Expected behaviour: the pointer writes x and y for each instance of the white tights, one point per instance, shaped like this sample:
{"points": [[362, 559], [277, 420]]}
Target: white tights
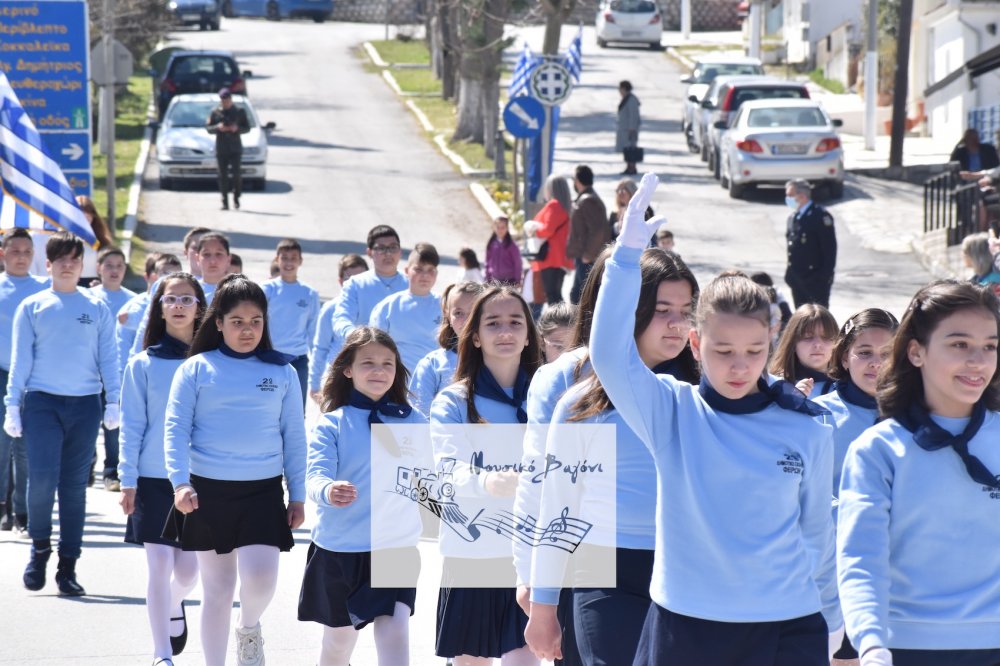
{"points": [[392, 638], [518, 657], [172, 575], [257, 568]]}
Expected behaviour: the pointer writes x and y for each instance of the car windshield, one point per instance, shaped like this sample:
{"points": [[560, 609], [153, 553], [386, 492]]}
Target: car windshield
{"points": [[216, 68], [786, 117], [633, 6], [194, 114], [707, 72]]}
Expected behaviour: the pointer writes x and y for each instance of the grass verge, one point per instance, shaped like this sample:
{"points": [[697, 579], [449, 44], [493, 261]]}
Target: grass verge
{"points": [[399, 51]]}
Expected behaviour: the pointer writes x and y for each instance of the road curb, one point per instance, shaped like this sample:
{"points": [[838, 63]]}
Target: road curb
{"points": [[135, 190], [457, 159], [373, 55], [421, 116], [486, 201], [680, 57]]}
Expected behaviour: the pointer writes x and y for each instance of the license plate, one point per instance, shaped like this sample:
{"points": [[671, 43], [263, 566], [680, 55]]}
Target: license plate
{"points": [[630, 33], [190, 17], [789, 149]]}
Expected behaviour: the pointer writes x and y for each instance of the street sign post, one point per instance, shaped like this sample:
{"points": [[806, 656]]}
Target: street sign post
{"points": [[44, 51], [524, 117], [551, 84]]}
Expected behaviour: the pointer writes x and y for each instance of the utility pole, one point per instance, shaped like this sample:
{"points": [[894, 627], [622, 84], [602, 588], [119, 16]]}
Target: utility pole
{"points": [[686, 19], [755, 24], [902, 83], [108, 107], [871, 76]]}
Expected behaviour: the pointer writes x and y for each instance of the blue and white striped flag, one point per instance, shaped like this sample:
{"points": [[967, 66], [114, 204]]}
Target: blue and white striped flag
{"points": [[526, 64], [574, 56], [30, 180]]}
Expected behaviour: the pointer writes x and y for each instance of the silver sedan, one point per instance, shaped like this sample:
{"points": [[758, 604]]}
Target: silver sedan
{"points": [[772, 141]]}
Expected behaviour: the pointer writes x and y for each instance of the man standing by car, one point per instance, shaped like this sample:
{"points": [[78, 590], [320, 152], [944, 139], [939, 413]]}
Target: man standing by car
{"points": [[589, 231], [812, 247], [227, 122]]}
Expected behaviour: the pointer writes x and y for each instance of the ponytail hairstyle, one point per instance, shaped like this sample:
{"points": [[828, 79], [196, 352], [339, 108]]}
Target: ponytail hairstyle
{"points": [[337, 386], [470, 357], [657, 266], [855, 325], [157, 326], [448, 336], [900, 382], [233, 289], [809, 317]]}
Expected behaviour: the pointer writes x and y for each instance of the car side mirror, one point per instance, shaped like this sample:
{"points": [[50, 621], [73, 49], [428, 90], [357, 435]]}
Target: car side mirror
{"points": [[687, 78], [837, 122], [247, 73], [270, 126], [693, 98], [153, 124], [706, 104], [721, 125]]}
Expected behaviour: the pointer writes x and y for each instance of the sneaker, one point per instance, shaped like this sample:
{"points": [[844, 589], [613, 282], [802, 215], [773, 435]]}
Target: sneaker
{"points": [[34, 573], [163, 662], [111, 484], [249, 646], [21, 524], [66, 578]]}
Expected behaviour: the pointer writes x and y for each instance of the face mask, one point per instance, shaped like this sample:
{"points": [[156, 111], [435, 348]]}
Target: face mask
{"points": [[792, 203]]}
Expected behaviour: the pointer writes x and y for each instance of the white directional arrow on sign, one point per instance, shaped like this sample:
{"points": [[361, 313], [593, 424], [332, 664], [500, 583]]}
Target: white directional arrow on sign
{"points": [[530, 123], [74, 151]]}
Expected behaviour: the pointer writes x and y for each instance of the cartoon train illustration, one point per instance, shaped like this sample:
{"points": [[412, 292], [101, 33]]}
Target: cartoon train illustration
{"points": [[421, 485]]}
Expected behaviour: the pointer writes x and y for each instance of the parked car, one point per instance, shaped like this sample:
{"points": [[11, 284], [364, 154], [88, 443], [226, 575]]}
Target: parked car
{"points": [[203, 13], [275, 10], [629, 21], [730, 94], [705, 71], [771, 141], [199, 71], [186, 151]]}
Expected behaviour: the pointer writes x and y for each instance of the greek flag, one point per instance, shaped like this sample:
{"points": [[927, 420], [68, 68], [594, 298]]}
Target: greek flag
{"points": [[526, 64], [34, 191], [574, 56]]}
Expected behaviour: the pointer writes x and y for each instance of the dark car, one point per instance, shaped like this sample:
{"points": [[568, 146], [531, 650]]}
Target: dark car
{"points": [[203, 13], [197, 72]]}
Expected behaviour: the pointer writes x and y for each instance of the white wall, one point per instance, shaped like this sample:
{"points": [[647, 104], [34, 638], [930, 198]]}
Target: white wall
{"points": [[826, 15]]}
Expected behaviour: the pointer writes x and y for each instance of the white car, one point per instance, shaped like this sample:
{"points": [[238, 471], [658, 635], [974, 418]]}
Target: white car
{"points": [[186, 151], [629, 21], [772, 141], [705, 71]]}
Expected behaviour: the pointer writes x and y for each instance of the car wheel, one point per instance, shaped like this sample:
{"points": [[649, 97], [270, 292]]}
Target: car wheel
{"points": [[654, 46], [319, 19], [724, 177], [836, 189], [602, 43], [704, 152], [716, 167], [260, 184], [736, 191], [710, 159], [215, 25], [227, 9], [166, 184], [203, 26], [272, 12]]}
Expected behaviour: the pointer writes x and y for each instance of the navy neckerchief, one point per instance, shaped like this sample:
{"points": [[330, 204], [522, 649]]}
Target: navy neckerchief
{"points": [[675, 370], [850, 392], [930, 437], [782, 393], [375, 407], [272, 356], [486, 386], [168, 347], [820, 379]]}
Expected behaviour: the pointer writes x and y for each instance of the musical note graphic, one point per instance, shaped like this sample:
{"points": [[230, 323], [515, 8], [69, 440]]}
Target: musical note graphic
{"points": [[564, 532]]}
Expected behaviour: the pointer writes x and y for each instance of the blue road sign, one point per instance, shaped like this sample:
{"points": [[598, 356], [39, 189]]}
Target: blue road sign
{"points": [[44, 51], [524, 117]]}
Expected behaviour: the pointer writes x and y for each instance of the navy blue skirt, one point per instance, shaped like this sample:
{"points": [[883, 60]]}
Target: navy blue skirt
{"points": [[154, 498], [337, 592], [945, 657]]}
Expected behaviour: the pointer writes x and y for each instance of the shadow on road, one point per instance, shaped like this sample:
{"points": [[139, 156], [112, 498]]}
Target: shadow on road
{"points": [[298, 142]]}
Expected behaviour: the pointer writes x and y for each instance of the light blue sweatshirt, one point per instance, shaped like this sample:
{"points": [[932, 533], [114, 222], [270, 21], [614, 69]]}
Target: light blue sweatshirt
{"points": [[849, 421], [236, 419], [125, 334], [434, 371], [292, 309], [64, 344], [917, 541], [140, 333], [745, 532], [325, 346], [361, 293], [340, 449], [13, 290], [145, 391], [115, 300], [413, 323]]}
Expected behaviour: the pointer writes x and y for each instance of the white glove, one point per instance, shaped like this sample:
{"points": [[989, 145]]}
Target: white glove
{"points": [[636, 230], [112, 416], [836, 640], [877, 657], [12, 422]]}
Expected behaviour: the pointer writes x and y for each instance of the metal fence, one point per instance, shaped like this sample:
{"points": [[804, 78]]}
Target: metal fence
{"points": [[986, 120], [952, 204]]}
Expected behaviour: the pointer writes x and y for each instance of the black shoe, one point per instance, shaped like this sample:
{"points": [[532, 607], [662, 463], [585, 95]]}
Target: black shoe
{"points": [[177, 643], [34, 573], [6, 519], [236, 202], [66, 578], [225, 204]]}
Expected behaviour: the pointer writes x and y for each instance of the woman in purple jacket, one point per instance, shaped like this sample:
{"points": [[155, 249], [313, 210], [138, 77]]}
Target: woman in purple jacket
{"points": [[503, 256]]}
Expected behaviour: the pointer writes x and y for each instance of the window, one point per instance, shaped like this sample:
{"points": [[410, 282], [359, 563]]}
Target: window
{"points": [[195, 114], [633, 6], [786, 117]]}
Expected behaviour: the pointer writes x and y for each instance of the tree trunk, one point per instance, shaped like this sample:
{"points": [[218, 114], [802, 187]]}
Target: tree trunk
{"points": [[481, 24], [556, 13], [900, 91], [447, 15], [470, 111]]}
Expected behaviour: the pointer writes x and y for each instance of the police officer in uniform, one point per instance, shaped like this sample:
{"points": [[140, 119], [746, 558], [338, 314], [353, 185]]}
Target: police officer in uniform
{"points": [[227, 122], [812, 247]]}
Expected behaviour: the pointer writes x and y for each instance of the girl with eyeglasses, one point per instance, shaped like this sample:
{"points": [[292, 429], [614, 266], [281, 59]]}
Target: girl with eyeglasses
{"points": [[919, 516], [178, 305]]}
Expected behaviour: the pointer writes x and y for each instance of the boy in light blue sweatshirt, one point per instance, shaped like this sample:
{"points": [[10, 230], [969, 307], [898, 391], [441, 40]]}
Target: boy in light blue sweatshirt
{"points": [[292, 310], [111, 271], [130, 315], [412, 317], [16, 284], [363, 292], [325, 343], [64, 356]]}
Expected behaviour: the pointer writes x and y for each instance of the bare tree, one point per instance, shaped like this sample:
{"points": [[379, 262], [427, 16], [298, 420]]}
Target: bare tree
{"points": [[442, 41], [139, 25], [556, 13]]}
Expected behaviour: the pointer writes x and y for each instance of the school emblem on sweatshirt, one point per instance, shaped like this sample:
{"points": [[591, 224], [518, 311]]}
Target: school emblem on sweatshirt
{"points": [[993, 490], [267, 384], [791, 463], [85, 319], [302, 303]]}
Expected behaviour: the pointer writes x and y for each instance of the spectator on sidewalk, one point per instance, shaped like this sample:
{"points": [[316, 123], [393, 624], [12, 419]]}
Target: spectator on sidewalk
{"points": [[977, 255], [588, 229], [974, 155], [627, 132], [552, 224], [503, 256], [812, 246]]}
